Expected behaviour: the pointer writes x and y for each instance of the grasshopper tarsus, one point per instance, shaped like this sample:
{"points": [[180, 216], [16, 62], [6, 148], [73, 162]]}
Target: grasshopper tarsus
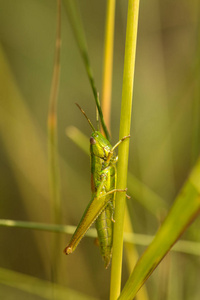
{"points": [[123, 190], [120, 141], [125, 137]]}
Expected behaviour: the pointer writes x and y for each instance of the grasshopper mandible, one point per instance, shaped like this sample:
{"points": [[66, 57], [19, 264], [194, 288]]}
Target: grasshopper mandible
{"points": [[103, 186]]}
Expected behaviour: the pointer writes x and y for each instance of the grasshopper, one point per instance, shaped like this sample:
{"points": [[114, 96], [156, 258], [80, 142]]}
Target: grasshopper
{"points": [[103, 186]]}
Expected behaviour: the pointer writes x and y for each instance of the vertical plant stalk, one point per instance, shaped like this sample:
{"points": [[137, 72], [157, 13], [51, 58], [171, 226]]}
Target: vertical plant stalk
{"points": [[52, 125], [196, 103], [77, 27], [132, 254], [108, 62], [53, 147], [122, 167], [106, 109]]}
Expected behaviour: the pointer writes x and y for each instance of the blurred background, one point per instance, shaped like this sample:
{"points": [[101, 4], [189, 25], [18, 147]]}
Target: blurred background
{"points": [[164, 145]]}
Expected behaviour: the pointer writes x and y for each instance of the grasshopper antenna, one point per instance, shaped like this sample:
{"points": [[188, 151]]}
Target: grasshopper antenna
{"points": [[97, 115], [86, 117], [97, 118]]}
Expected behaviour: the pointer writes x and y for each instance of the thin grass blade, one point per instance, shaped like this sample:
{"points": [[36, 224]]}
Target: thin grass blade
{"points": [[78, 30], [183, 212]]}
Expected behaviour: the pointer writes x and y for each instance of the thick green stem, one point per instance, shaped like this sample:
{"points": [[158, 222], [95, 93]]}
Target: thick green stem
{"points": [[125, 122]]}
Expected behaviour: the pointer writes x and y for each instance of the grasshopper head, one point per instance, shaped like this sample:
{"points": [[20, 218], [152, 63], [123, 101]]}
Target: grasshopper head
{"points": [[99, 145]]}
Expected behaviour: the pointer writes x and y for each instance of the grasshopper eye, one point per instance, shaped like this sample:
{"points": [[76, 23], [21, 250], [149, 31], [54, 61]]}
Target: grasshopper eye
{"points": [[92, 141]]}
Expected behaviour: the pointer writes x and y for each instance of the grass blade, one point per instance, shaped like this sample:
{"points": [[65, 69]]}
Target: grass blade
{"points": [[77, 27], [108, 62], [182, 213], [53, 147], [182, 246], [38, 287], [52, 123]]}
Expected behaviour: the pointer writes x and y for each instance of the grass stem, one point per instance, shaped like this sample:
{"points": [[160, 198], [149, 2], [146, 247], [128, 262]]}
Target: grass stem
{"points": [[108, 62], [122, 167]]}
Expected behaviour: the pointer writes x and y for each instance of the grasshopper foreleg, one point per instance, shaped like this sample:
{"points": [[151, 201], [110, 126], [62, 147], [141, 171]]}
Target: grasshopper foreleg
{"points": [[115, 146], [120, 141]]}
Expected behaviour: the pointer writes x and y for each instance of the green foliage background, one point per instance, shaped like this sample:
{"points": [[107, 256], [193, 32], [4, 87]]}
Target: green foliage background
{"points": [[164, 145]]}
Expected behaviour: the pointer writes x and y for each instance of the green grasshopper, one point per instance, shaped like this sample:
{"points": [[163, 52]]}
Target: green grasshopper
{"points": [[103, 185]]}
